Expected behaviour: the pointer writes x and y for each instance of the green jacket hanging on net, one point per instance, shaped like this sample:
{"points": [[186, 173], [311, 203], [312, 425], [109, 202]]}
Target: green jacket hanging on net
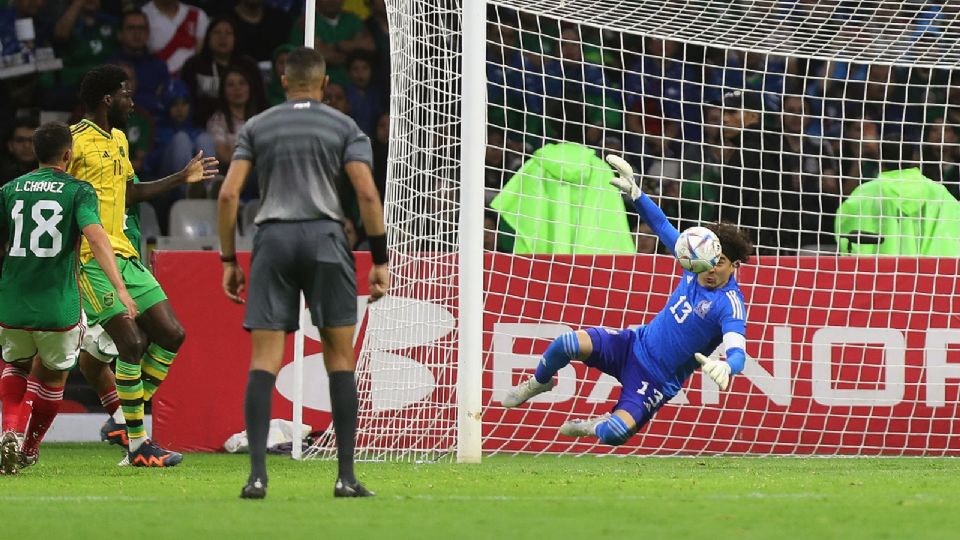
{"points": [[561, 202], [900, 213]]}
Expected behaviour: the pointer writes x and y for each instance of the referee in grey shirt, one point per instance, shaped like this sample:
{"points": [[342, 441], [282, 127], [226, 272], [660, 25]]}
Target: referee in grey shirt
{"points": [[300, 150]]}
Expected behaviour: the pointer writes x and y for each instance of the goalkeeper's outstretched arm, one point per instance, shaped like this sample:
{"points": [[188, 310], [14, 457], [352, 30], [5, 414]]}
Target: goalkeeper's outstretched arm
{"points": [[648, 210]]}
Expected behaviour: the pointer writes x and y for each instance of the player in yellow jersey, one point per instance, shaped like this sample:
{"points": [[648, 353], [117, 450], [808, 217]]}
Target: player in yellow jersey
{"points": [[146, 347]]}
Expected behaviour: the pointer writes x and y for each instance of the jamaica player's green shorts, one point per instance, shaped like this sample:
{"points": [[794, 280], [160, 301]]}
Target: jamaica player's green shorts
{"points": [[100, 301]]}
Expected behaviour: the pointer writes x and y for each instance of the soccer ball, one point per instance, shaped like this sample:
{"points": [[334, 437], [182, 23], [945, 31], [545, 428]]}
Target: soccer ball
{"points": [[697, 249]]}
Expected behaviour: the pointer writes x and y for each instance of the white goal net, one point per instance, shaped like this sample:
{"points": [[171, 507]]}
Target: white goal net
{"points": [[828, 129]]}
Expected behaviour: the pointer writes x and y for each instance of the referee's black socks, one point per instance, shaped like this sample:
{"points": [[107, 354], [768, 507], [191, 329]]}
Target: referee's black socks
{"points": [[343, 402], [257, 413]]}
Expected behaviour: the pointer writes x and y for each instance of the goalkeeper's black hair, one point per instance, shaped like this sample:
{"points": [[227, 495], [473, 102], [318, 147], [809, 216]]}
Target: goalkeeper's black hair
{"points": [[734, 242], [99, 82]]}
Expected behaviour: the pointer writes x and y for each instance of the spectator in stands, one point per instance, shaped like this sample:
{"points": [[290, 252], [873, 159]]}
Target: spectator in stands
{"points": [[573, 76], [750, 182], [339, 34], [290, 8], [883, 97], [766, 73], [526, 91], [381, 147], [206, 71], [85, 37], [152, 74], [24, 9], [140, 125], [335, 96], [365, 99], [176, 31], [378, 27], [669, 73], [274, 90], [941, 155], [699, 190], [260, 28], [646, 238], [811, 178], [20, 159], [500, 162], [177, 138], [860, 155], [22, 92], [490, 230], [236, 106]]}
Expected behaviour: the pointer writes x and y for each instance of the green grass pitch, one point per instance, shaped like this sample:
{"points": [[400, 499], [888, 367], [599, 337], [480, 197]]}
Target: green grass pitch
{"points": [[77, 492]]}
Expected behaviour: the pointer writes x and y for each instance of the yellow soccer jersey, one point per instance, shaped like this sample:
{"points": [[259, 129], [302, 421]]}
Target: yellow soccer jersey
{"points": [[102, 159]]}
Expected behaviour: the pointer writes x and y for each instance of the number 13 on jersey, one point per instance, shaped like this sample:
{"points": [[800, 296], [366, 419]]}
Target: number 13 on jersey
{"points": [[683, 311]]}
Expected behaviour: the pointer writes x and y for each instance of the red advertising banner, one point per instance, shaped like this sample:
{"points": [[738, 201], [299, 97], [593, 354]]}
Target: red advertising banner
{"points": [[848, 355]]}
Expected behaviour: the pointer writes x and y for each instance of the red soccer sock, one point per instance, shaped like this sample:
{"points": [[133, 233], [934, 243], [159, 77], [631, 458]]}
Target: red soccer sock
{"points": [[26, 406], [110, 400], [45, 408], [13, 386]]}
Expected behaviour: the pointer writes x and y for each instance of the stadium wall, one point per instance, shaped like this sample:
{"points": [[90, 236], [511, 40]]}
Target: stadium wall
{"points": [[855, 353]]}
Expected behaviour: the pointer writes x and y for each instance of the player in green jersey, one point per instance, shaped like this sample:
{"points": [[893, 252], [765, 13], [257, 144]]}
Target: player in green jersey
{"points": [[43, 215]]}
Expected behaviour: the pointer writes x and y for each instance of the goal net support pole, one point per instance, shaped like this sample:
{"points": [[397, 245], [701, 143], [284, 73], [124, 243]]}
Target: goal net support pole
{"points": [[309, 31], [472, 149]]}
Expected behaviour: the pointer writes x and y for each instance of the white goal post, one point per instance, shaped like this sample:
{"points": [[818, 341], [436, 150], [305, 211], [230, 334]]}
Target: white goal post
{"points": [[828, 130]]}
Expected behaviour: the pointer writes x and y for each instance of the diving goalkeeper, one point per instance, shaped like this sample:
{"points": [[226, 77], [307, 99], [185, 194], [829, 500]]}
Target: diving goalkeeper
{"points": [[653, 361]]}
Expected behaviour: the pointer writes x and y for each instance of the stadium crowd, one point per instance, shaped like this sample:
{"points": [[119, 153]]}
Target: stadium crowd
{"points": [[813, 130], [777, 157], [198, 71]]}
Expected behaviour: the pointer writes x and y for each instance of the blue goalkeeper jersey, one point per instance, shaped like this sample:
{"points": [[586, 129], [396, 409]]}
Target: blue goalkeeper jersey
{"points": [[695, 319]]}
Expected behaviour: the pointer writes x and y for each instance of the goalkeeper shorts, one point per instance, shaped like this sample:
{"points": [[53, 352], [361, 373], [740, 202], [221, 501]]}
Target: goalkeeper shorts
{"points": [[613, 353]]}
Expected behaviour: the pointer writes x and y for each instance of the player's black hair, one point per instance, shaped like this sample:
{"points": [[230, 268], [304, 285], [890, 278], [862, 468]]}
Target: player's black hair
{"points": [[99, 82], [301, 62], [734, 242], [50, 141]]}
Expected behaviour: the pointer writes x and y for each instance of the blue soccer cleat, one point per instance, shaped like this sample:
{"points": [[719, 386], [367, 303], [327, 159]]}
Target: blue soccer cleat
{"points": [[114, 433], [151, 455]]}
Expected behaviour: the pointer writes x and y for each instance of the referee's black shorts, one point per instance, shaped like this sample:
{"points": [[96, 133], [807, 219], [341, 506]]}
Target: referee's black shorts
{"points": [[294, 256]]}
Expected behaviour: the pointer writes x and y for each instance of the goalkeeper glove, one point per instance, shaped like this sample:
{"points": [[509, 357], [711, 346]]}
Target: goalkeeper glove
{"points": [[624, 180], [717, 370]]}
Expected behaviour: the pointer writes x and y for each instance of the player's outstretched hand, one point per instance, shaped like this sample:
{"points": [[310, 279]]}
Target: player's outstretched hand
{"points": [[128, 303], [379, 281], [201, 168], [717, 370], [624, 180], [233, 282]]}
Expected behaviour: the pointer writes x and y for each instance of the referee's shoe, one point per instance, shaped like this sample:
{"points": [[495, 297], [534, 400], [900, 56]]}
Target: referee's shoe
{"points": [[255, 489], [351, 489]]}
